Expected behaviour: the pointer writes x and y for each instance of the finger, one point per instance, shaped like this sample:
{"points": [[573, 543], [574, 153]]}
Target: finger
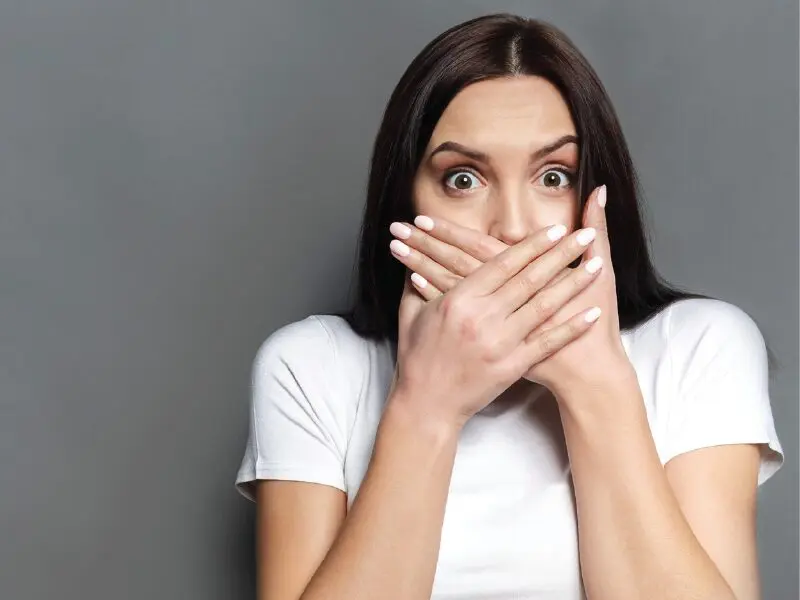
{"points": [[533, 314], [551, 322], [476, 244], [424, 287], [496, 272], [594, 215], [530, 281], [563, 274], [450, 257], [430, 270], [539, 347], [566, 272], [448, 262]]}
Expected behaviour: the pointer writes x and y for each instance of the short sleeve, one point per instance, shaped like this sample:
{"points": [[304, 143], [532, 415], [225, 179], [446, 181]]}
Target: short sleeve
{"points": [[297, 429], [721, 382]]}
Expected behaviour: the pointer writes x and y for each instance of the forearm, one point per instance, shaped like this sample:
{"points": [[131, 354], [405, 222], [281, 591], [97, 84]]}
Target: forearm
{"points": [[389, 542], [634, 540]]}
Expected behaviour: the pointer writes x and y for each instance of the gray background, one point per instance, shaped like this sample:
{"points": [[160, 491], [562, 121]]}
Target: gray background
{"points": [[180, 178]]}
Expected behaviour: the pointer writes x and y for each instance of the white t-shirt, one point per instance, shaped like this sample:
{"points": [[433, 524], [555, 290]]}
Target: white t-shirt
{"points": [[510, 527]]}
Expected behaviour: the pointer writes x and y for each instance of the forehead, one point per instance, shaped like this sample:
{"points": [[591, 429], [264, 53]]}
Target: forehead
{"points": [[525, 110]]}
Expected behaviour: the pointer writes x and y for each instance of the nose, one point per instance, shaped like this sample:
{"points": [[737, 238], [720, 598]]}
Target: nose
{"points": [[512, 220]]}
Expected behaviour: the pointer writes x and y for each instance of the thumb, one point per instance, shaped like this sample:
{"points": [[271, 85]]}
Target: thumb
{"points": [[594, 215]]}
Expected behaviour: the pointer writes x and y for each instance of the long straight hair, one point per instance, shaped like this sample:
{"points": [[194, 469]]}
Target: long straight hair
{"points": [[487, 47]]}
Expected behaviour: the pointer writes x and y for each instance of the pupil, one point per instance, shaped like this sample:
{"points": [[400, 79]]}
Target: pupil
{"points": [[551, 178], [462, 181]]}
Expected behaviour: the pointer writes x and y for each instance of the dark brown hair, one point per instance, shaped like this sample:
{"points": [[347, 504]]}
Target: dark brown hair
{"points": [[493, 46]]}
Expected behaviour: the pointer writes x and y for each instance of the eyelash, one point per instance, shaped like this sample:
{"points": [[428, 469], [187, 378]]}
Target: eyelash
{"points": [[569, 173]]}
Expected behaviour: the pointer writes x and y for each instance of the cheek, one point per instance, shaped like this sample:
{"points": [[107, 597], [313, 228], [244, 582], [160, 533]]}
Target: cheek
{"points": [[566, 213], [429, 201], [566, 210], [547, 209], [427, 198]]}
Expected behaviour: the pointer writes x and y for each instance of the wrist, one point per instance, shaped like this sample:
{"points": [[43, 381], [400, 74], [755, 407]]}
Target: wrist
{"points": [[608, 379], [599, 399], [411, 409]]}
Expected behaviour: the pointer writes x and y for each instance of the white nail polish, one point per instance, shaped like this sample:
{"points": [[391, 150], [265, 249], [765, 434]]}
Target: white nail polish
{"points": [[419, 280], [399, 248], [556, 232], [586, 236], [594, 265], [593, 314], [424, 223], [601, 197], [400, 231]]}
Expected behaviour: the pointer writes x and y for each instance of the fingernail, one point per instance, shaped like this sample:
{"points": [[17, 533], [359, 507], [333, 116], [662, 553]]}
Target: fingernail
{"points": [[556, 232], [399, 230], [594, 265], [593, 314], [601, 196], [586, 236], [424, 223], [419, 280], [399, 248]]}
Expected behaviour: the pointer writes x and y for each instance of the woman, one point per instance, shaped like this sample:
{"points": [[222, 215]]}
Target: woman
{"points": [[533, 413]]}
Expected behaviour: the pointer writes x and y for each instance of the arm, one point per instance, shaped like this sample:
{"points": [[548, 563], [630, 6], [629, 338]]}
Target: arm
{"points": [[296, 523], [388, 544], [635, 540]]}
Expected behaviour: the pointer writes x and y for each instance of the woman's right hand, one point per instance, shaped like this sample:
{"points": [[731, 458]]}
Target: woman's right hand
{"points": [[457, 353]]}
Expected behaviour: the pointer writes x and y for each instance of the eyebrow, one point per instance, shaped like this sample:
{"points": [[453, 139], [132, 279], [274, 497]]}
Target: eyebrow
{"points": [[479, 156]]}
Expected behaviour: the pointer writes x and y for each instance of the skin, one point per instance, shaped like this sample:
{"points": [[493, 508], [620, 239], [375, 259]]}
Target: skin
{"points": [[508, 197], [522, 184], [705, 500], [715, 488], [392, 531]]}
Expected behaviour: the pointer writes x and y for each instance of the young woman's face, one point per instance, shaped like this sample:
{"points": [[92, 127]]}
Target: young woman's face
{"points": [[502, 159]]}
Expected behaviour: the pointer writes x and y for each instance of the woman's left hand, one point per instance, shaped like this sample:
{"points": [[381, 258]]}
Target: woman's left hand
{"points": [[443, 253]]}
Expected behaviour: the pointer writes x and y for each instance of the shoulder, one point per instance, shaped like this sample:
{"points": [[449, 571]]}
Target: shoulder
{"points": [[320, 352], [696, 337], [708, 313], [711, 340], [700, 325], [297, 343], [318, 338]]}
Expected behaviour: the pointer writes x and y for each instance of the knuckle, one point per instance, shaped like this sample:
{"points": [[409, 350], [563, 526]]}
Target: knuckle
{"points": [[548, 342], [423, 243], [493, 350], [451, 307], [484, 250], [460, 265], [458, 313], [449, 282], [470, 328], [423, 267], [566, 253], [580, 279], [526, 285], [415, 260], [577, 327], [560, 276], [570, 329], [543, 304], [505, 265]]}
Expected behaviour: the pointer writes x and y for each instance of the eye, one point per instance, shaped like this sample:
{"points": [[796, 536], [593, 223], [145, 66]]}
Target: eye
{"points": [[557, 178], [461, 180]]}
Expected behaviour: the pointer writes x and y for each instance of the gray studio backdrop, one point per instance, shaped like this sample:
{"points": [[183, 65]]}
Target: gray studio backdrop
{"points": [[180, 178]]}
